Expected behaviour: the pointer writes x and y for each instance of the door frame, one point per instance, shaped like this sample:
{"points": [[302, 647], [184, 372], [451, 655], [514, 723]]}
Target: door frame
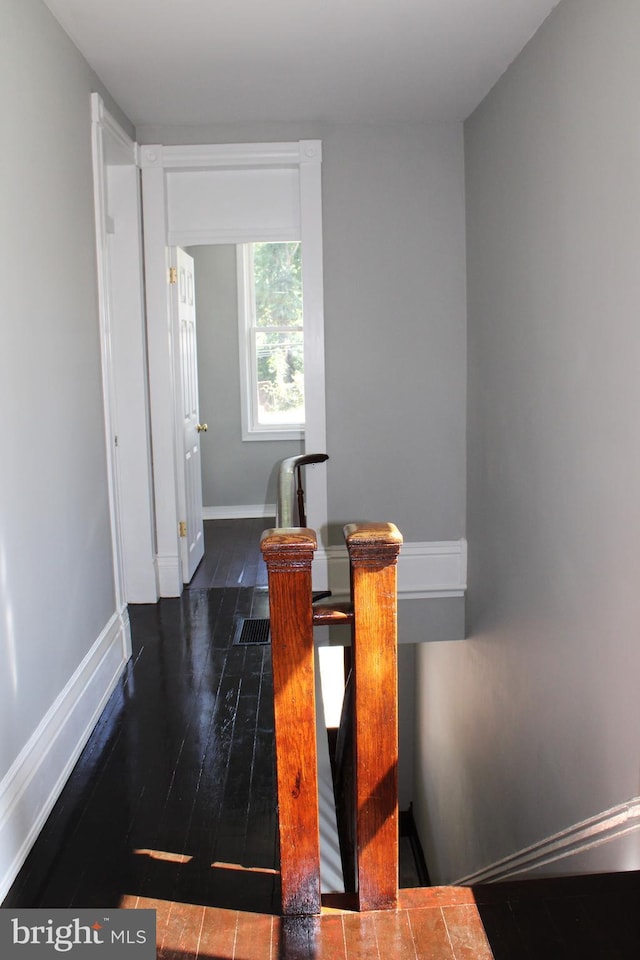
{"points": [[157, 161], [122, 340]]}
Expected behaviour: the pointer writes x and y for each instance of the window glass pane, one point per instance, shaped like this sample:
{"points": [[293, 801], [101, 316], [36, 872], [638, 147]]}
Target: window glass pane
{"points": [[279, 358], [277, 274]]}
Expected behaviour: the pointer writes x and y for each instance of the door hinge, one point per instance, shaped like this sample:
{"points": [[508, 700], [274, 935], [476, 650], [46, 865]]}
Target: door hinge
{"points": [[173, 274], [182, 526]]}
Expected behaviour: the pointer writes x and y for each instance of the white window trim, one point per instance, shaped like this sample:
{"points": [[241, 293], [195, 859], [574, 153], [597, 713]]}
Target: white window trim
{"points": [[251, 429]]}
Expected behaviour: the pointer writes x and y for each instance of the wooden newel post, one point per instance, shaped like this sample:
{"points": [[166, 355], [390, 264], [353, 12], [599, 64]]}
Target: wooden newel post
{"points": [[373, 553], [288, 554]]}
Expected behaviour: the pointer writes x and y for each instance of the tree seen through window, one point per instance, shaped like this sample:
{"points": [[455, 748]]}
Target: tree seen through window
{"points": [[278, 332]]}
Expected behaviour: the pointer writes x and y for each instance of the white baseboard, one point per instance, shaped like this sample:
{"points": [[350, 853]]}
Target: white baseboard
{"points": [[36, 778], [169, 575], [425, 570], [239, 512], [577, 839]]}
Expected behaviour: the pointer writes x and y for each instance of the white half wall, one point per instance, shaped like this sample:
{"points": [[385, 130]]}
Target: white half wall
{"points": [[425, 570]]}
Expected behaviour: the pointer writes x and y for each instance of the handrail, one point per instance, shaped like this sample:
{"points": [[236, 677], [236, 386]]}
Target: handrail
{"points": [[286, 516], [372, 615]]}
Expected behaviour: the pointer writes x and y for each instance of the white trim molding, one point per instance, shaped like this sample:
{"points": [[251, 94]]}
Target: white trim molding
{"points": [[224, 156], [226, 235], [100, 115], [619, 821], [425, 570], [241, 511], [36, 778], [169, 575], [122, 336]]}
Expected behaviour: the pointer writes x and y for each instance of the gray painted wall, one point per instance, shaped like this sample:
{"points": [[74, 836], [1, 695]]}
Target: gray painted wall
{"points": [[56, 573], [531, 725], [234, 471], [394, 270]]}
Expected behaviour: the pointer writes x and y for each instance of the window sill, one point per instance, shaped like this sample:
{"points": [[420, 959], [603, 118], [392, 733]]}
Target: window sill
{"points": [[260, 435]]}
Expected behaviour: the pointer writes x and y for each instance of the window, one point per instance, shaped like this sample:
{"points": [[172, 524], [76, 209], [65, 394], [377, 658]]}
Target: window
{"points": [[271, 340]]}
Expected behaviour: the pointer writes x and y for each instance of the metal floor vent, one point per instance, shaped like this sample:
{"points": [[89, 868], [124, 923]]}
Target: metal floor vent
{"points": [[252, 630]]}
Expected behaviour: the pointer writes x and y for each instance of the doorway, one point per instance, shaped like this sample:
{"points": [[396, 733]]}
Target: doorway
{"points": [[226, 194]]}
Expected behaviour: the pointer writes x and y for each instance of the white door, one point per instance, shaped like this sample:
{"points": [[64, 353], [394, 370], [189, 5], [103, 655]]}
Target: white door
{"points": [[189, 426]]}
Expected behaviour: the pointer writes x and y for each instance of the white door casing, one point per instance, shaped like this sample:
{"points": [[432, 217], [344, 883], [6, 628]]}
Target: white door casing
{"points": [[122, 328], [228, 193], [187, 414]]}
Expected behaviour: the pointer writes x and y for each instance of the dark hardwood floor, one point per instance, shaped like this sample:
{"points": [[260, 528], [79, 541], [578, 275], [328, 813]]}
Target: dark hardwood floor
{"points": [[232, 555], [174, 795], [172, 804]]}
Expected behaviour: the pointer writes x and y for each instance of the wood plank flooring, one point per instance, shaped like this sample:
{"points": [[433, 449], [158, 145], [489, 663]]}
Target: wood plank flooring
{"points": [[177, 782], [232, 555], [438, 924]]}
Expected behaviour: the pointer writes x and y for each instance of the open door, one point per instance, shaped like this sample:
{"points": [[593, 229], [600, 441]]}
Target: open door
{"points": [[188, 422]]}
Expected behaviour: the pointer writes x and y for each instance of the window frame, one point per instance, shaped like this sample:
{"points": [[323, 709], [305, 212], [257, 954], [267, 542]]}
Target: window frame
{"points": [[252, 429]]}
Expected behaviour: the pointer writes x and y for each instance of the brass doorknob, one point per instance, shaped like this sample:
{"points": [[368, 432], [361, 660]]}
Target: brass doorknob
{"points": [[202, 428]]}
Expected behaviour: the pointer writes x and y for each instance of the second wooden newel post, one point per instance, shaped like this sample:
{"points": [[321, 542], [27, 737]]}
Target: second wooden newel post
{"points": [[373, 554]]}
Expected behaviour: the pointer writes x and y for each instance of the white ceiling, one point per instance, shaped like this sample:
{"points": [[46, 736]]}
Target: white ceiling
{"points": [[217, 61]]}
